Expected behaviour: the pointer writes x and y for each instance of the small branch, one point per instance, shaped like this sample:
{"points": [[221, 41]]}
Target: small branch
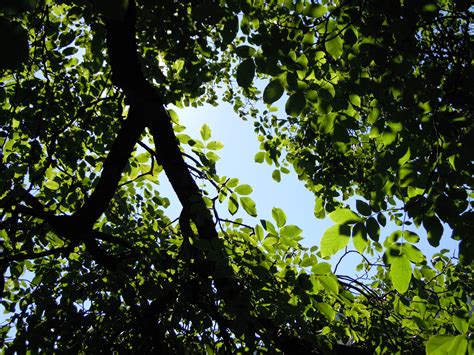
{"points": [[29, 256]]}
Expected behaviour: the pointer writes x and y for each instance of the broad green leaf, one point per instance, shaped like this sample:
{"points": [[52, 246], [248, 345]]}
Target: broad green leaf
{"points": [[259, 157], [359, 237], [334, 46], [233, 204], [413, 253], [344, 216], [363, 208], [279, 216], [273, 91], [249, 206], [214, 145], [259, 233], [459, 345], [400, 273], [439, 344], [329, 283], [276, 175], [326, 310], [334, 239], [321, 269], [291, 231], [373, 229], [51, 184], [245, 73], [411, 237], [434, 228], [245, 51], [243, 189], [295, 104], [461, 322], [213, 157], [269, 227], [233, 182], [205, 132], [315, 10], [269, 243]]}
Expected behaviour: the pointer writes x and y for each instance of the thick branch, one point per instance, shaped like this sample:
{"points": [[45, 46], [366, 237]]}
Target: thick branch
{"points": [[112, 170]]}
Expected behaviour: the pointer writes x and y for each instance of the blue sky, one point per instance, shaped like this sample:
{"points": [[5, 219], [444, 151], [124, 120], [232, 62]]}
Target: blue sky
{"points": [[237, 160]]}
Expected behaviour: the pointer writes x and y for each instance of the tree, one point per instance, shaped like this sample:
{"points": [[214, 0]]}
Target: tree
{"points": [[378, 113]]}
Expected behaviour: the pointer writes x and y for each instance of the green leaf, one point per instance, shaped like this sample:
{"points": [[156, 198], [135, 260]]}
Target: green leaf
{"points": [[400, 273], [359, 237], [434, 228], [315, 10], [413, 253], [411, 237], [213, 157], [329, 284], [214, 145], [344, 216], [245, 51], [205, 132], [245, 73], [269, 243], [334, 239], [321, 269], [273, 91], [363, 208], [279, 216], [439, 344], [259, 232], [295, 104], [334, 46], [461, 321], [233, 204], [259, 157], [269, 227], [326, 310], [249, 206], [243, 189], [51, 184], [373, 229], [276, 175], [291, 231]]}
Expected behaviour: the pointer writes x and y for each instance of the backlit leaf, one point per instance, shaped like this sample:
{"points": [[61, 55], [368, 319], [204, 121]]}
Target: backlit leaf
{"points": [[273, 91], [295, 104], [245, 73], [279, 216], [249, 206], [400, 273], [334, 239]]}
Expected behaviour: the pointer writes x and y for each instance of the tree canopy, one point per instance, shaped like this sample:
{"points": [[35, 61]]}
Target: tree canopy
{"points": [[369, 102]]}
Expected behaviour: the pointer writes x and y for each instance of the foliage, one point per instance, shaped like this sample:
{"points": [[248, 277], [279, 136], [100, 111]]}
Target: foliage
{"points": [[378, 113]]}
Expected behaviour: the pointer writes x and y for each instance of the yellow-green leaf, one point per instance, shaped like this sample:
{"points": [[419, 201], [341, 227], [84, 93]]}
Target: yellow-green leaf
{"points": [[334, 239], [400, 273], [249, 206]]}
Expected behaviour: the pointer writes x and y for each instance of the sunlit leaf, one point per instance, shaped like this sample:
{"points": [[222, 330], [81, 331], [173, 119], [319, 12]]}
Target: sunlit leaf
{"points": [[295, 104], [273, 91], [334, 46], [243, 189], [344, 215], [249, 206], [245, 73], [400, 273], [334, 239], [279, 216]]}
